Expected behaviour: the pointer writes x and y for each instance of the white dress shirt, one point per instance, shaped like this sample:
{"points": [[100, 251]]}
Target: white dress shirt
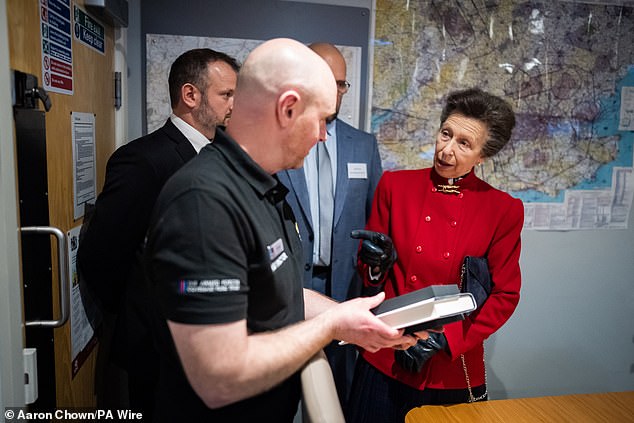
{"points": [[197, 140]]}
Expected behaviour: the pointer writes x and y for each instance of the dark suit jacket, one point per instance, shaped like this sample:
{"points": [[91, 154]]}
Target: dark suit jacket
{"points": [[353, 202], [135, 174]]}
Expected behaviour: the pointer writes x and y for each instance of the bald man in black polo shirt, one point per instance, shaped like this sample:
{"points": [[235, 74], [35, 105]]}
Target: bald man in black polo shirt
{"points": [[225, 260]]}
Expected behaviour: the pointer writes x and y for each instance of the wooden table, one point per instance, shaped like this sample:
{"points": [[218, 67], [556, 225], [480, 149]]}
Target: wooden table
{"points": [[613, 407]]}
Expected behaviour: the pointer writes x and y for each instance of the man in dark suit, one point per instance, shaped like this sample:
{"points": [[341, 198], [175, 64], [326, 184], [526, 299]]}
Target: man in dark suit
{"points": [[201, 86], [327, 216]]}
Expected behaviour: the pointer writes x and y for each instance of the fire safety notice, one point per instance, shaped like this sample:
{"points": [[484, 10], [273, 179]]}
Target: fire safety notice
{"points": [[89, 31], [56, 41]]}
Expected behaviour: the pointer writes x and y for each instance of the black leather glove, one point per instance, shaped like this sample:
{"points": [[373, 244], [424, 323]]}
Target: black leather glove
{"points": [[413, 358], [377, 249]]}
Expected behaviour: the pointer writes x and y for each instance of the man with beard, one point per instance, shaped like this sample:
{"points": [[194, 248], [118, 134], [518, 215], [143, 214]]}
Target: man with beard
{"points": [[201, 86], [326, 217]]}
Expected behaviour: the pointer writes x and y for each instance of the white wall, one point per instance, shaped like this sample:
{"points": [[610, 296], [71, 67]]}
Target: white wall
{"points": [[573, 331], [134, 58]]}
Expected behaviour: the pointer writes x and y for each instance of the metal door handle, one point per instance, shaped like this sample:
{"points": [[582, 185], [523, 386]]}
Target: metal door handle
{"points": [[62, 257]]}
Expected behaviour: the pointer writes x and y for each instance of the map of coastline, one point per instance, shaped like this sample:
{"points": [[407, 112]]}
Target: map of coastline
{"points": [[563, 66]]}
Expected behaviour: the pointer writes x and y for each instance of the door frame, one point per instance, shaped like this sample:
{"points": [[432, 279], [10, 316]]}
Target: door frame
{"points": [[11, 329]]}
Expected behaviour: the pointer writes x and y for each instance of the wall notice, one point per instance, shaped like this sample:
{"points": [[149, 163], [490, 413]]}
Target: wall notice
{"points": [[84, 183], [82, 335]]}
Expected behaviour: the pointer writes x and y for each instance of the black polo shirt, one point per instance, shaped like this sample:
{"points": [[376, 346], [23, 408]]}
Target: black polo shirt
{"points": [[222, 247]]}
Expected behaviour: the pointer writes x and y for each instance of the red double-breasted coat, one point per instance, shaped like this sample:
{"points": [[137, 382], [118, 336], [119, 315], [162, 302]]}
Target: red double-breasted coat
{"points": [[432, 233]]}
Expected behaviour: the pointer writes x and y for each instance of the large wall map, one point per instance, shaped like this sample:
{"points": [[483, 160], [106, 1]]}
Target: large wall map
{"points": [[163, 49], [564, 66]]}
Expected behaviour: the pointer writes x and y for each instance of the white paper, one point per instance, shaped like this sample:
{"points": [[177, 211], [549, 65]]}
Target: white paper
{"points": [[80, 330], [626, 116], [84, 178]]}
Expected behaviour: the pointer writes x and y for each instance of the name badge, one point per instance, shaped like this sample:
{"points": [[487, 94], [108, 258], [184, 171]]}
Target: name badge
{"points": [[357, 171], [275, 249], [276, 254]]}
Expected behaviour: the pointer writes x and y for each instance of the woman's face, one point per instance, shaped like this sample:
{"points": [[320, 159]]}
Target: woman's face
{"points": [[459, 146]]}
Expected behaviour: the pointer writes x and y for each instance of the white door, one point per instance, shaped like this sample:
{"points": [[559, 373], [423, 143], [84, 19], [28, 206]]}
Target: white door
{"points": [[11, 334]]}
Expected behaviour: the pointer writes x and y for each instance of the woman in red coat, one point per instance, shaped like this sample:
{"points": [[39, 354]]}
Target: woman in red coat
{"points": [[435, 217]]}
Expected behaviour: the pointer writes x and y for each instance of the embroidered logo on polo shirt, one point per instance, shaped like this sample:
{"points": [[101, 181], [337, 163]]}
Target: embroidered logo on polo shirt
{"points": [[276, 254], [205, 286], [278, 261]]}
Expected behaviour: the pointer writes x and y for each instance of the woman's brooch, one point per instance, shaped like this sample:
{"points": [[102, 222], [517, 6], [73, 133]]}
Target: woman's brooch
{"points": [[448, 189]]}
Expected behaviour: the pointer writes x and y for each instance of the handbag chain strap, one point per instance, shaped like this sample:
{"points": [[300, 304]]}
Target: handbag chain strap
{"points": [[464, 363], [466, 376]]}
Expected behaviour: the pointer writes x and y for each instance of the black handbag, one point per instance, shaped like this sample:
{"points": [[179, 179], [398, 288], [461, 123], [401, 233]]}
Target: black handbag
{"points": [[476, 279]]}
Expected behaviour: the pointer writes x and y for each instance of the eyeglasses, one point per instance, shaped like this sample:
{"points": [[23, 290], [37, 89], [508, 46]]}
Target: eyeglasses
{"points": [[343, 86]]}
